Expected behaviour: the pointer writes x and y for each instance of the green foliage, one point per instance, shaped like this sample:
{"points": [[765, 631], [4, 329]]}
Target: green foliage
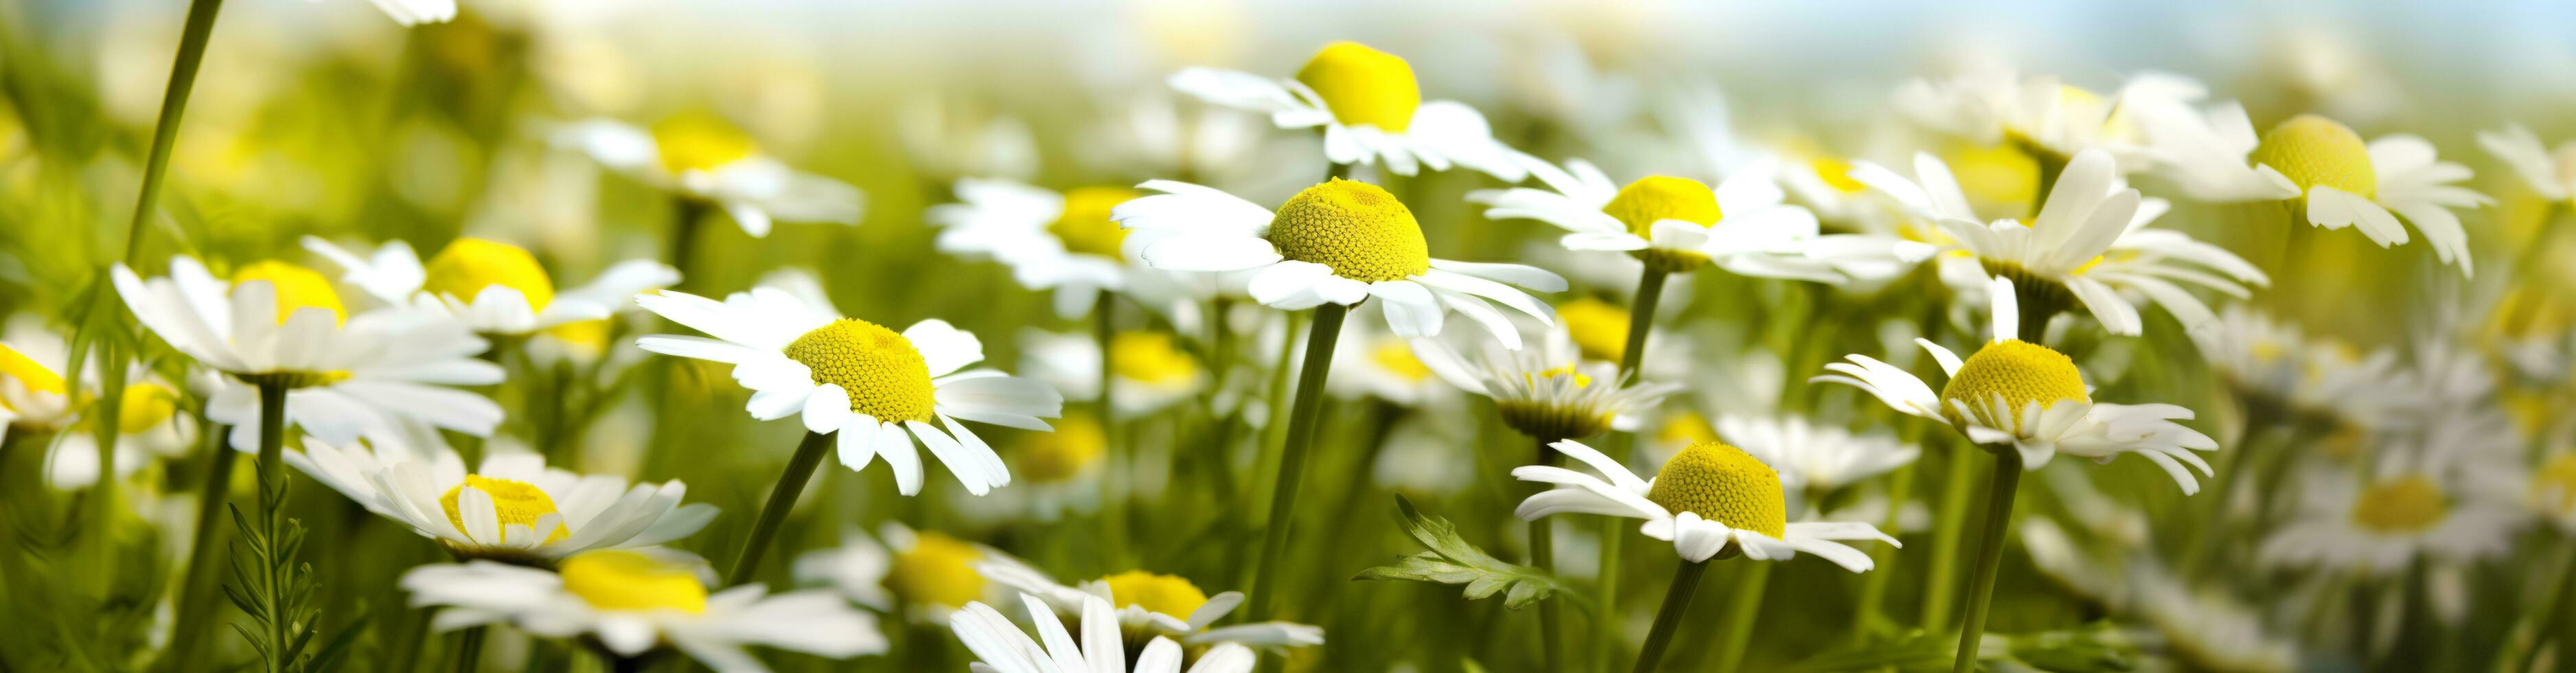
{"points": [[276, 592], [1452, 560]]}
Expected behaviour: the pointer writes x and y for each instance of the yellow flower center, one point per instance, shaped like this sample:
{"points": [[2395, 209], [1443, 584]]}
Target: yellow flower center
{"points": [[938, 570], [1396, 357], [1685, 428], [2021, 372], [296, 287], [1160, 594], [700, 141], [1056, 457], [2555, 485], [884, 376], [514, 503], [28, 372], [2405, 505], [1150, 357], [1356, 228], [1661, 197], [1599, 329], [469, 265], [2313, 150], [1363, 86], [630, 581], [2001, 178], [589, 335], [1724, 484], [1084, 226], [145, 406], [1836, 173], [1580, 380]]}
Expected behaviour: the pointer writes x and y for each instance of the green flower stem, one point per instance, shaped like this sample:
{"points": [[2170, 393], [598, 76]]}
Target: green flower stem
{"points": [[195, 595], [1741, 610], [469, 649], [1542, 544], [1676, 601], [688, 216], [272, 479], [1641, 320], [1949, 530], [1118, 461], [800, 470], [193, 35], [1302, 417], [1990, 554]]}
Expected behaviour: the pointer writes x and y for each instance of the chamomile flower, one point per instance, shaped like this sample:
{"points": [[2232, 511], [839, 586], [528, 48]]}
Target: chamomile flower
{"points": [[1708, 499], [1812, 458], [1061, 241], [1148, 370], [634, 602], [2324, 172], [877, 388], [1678, 224], [2032, 397], [33, 393], [1341, 242], [1003, 648], [2548, 172], [511, 508], [2273, 363], [151, 425], [494, 287], [2090, 243], [926, 571], [1550, 392], [1372, 363], [702, 156], [346, 375], [1148, 604], [2040, 115], [2382, 524], [2209, 628], [1370, 109]]}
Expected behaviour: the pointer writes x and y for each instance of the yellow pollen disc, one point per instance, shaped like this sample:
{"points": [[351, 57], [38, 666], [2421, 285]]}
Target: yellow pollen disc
{"points": [[2022, 372], [2313, 150], [1363, 86], [145, 406], [1057, 457], [1686, 428], [514, 503], [1084, 226], [1356, 228], [1397, 358], [589, 335], [297, 288], [469, 265], [1160, 594], [1659, 197], [884, 375], [28, 372], [1580, 380], [1723, 484], [628, 581], [700, 141], [938, 570], [2409, 504], [1836, 173], [2000, 178], [2556, 484], [1150, 357], [1599, 329]]}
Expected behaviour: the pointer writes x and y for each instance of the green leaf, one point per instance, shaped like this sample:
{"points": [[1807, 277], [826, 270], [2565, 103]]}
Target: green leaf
{"points": [[1452, 560]]}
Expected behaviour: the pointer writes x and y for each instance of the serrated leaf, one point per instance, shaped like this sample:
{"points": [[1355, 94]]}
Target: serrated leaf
{"points": [[1455, 561]]}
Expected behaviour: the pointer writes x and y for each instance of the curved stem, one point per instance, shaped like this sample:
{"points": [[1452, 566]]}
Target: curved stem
{"points": [[1641, 319], [1741, 610], [1542, 537], [800, 470], [1676, 600], [193, 35], [1302, 416], [1990, 553], [194, 598]]}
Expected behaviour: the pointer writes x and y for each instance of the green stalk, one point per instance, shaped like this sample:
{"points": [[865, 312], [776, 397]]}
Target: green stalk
{"points": [[1303, 416], [688, 215], [193, 35], [272, 480], [1641, 320], [1990, 554], [800, 469], [1117, 461], [195, 600], [469, 649], [1740, 612], [1949, 529], [1542, 537], [1676, 600]]}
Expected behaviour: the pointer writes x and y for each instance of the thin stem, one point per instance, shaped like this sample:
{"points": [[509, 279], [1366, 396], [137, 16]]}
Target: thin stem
{"points": [[1740, 612], [1302, 416], [800, 469], [688, 215], [1641, 320], [193, 36], [469, 649], [1949, 530], [272, 475], [1119, 461], [195, 600], [1676, 600], [1542, 537], [1990, 554]]}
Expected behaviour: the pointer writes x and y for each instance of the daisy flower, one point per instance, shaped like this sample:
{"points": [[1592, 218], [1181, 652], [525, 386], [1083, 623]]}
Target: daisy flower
{"points": [[511, 508], [634, 602], [1370, 108], [1153, 605], [2040, 115], [1709, 499], [1815, 459], [2382, 525], [2549, 173], [703, 157], [2210, 628], [1148, 370], [2090, 243], [1677, 225], [1380, 365], [2323, 171], [928, 572], [33, 394], [277, 324], [35, 397], [2272, 362], [1550, 392], [1062, 241], [496, 288], [1341, 242], [2031, 397], [1003, 648], [878, 389], [149, 426]]}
